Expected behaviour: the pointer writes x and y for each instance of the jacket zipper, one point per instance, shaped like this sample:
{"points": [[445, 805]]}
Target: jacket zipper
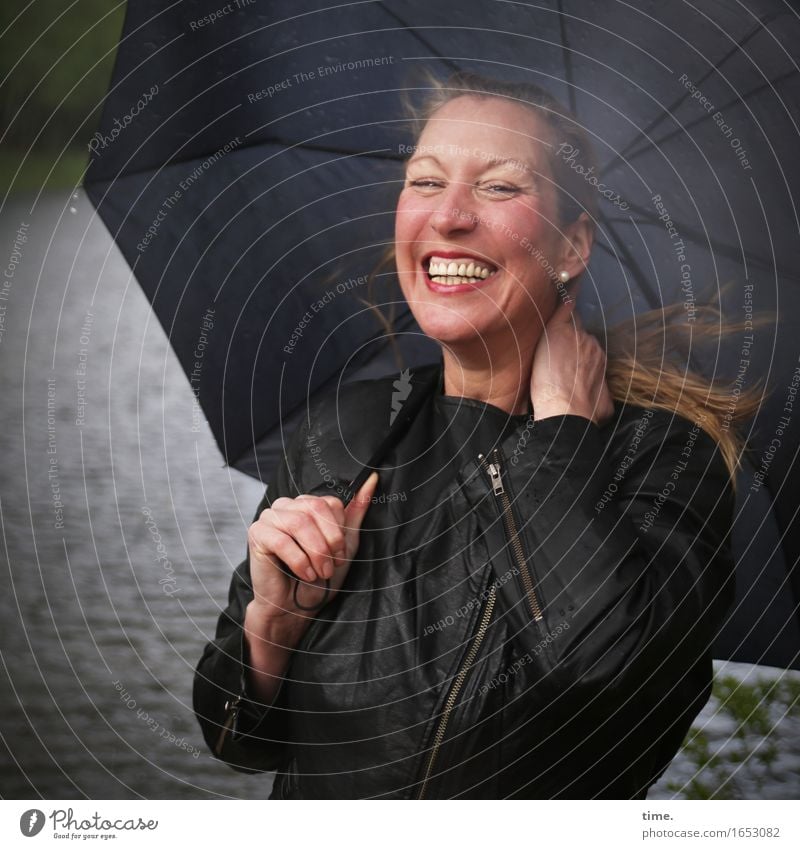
{"points": [[458, 683], [232, 709], [494, 471]]}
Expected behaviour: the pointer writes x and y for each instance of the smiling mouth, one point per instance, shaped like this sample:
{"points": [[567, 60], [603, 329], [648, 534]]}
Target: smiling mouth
{"points": [[457, 271]]}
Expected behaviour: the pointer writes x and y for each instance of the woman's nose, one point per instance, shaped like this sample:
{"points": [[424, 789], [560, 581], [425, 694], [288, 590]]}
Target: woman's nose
{"points": [[454, 212]]}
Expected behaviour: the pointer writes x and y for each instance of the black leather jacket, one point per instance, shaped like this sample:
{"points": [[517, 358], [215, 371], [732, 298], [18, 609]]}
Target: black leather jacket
{"points": [[540, 628]]}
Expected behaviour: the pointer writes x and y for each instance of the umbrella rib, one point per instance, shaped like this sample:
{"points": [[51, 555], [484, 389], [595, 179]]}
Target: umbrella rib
{"points": [[666, 111], [338, 151], [278, 142], [699, 237], [567, 54], [409, 29], [700, 119]]}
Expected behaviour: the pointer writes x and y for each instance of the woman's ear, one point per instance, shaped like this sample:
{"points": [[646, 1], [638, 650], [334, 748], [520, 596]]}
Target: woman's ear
{"points": [[577, 245]]}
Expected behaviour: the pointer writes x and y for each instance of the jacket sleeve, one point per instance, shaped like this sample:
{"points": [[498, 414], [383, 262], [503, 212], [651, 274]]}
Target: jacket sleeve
{"points": [[247, 735], [625, 538]]}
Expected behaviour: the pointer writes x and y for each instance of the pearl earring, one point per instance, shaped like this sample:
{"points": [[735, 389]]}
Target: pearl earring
{"points": [[564, 276]]}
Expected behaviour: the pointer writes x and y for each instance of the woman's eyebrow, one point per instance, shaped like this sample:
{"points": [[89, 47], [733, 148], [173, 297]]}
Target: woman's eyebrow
{"points": [[510, 162], [415, 159], [491, 162]]}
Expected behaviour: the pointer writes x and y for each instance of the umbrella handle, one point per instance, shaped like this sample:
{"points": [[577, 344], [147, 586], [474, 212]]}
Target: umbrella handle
{"points": [[355, 485], [313, 606]]}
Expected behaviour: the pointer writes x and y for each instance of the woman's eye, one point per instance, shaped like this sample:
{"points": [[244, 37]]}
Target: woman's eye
{"points": [[500, 189], [430, 183], [426, 183]]}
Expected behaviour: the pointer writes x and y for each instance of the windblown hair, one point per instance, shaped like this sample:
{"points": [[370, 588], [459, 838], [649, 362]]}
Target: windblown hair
{"points": [[648, 355]]}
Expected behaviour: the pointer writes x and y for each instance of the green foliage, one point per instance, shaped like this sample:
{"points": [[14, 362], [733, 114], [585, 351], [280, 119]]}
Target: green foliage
{"points": [[56, 60], [30, 172], [749, 753]]}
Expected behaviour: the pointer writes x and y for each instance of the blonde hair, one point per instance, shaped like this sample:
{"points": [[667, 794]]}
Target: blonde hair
{"points": [[647, 355]]}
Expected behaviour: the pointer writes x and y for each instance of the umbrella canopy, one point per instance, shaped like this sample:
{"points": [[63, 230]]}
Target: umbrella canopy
{"points": [[250, 154]]}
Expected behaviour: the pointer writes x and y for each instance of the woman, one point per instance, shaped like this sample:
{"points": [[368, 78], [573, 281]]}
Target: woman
{"points": [[522, 597]]}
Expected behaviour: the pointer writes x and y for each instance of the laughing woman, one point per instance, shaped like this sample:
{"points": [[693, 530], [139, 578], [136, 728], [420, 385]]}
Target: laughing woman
{"points": [[519, 602]]}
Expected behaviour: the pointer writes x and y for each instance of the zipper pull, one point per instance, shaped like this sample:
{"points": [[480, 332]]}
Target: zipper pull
{"points": [[497, 481], [232, 709]]}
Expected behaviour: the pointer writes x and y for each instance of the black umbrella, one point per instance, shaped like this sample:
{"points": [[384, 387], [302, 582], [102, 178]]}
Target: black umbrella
{"points": [[247, 165]]}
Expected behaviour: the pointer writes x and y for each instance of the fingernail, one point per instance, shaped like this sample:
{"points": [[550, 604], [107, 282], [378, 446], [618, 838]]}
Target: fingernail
{"points": [[311, 575]]}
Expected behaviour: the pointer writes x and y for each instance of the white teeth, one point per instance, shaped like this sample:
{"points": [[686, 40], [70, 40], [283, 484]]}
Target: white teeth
{"points": [[447, 280], [463, 268]]}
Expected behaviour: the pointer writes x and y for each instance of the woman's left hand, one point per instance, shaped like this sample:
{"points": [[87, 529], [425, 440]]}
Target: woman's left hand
{"points": [[569, 370]]}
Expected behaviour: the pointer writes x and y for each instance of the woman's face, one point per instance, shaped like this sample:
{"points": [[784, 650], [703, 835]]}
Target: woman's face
{"points": [[477, 241]]}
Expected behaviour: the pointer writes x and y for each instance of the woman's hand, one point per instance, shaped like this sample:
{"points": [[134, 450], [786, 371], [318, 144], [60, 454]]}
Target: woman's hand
{"points": [[316, 537], [569, 370]]}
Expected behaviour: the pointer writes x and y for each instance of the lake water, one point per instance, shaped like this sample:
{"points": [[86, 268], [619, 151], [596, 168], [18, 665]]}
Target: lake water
{"points": [[99, 635]]}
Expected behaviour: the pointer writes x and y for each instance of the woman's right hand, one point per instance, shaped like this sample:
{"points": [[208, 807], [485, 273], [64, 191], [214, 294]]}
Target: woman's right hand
{"points": [[569, 369], [316, 537]]}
